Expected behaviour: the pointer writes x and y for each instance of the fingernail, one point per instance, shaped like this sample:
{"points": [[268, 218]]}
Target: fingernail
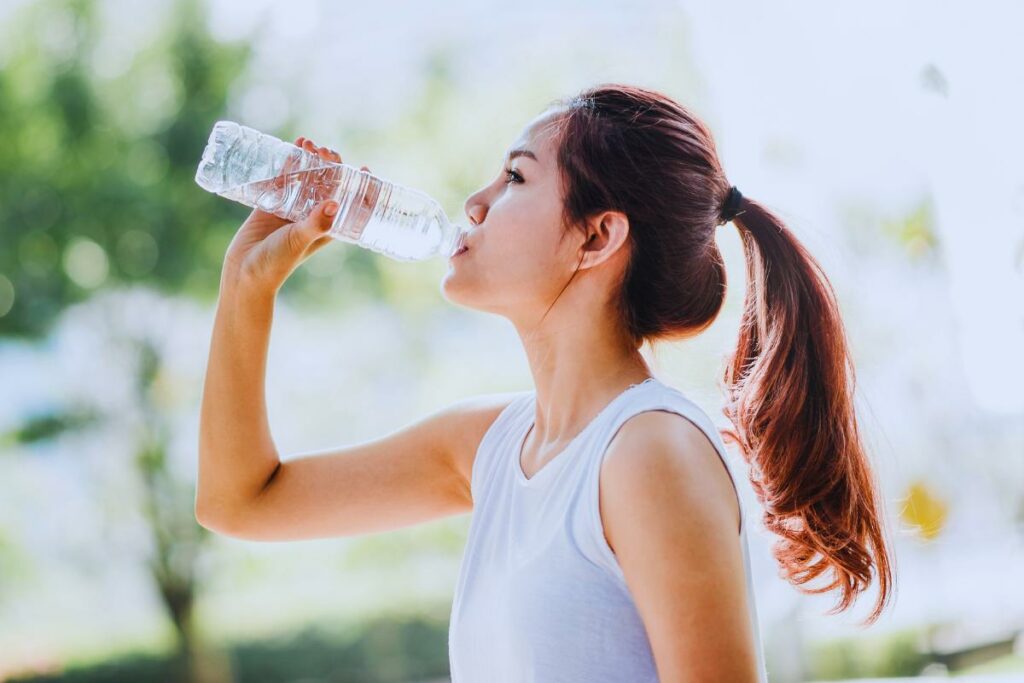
{"points": [[331, 208]]}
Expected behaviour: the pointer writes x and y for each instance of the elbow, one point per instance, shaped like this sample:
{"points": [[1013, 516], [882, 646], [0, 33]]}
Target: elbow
{"points": [[203, 517], [223, 520], [219, 525], [211, 517]]}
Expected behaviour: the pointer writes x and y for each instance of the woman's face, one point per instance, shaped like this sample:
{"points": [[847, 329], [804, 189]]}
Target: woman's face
{"points": [[517, 261]]}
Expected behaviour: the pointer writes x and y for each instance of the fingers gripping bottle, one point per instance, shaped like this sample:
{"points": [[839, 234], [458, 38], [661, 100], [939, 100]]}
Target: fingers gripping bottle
{"points": [[262, 172]]}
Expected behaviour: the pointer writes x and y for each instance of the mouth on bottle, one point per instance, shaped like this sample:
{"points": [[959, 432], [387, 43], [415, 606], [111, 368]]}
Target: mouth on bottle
{"points": [[460, 244]]}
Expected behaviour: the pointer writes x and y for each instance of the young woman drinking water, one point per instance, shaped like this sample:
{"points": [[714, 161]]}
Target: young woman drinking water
{"points": [[607, 541]]}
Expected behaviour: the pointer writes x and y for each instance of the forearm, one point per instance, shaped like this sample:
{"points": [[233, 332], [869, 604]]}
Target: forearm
{"points": [[237, 454]]}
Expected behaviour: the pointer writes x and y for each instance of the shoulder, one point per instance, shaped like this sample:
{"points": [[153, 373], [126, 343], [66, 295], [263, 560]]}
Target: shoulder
{"points": [[670, 516], [468, 420], [658, 453]]}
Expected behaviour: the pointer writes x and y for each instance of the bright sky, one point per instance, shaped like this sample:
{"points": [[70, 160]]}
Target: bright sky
{"points": [[844, 85]]}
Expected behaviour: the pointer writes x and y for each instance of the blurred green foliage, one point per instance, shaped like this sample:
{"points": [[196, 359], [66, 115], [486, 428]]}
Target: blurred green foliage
{"points": [[87, 200], [97, 174], [892, 655], [391, 649], [48, 424], [1006, 664], [915, 232]]}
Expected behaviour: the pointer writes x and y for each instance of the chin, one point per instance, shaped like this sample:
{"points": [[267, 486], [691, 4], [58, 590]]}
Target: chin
{"points": [[454, 290]]}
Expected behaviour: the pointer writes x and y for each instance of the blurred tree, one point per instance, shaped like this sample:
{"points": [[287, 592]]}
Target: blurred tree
{"points": [[166, 497], [97, 174], [96, 185]]}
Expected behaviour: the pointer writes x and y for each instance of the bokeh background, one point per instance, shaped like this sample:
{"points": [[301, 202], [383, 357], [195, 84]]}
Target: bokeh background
{"points": [[886, 134]]}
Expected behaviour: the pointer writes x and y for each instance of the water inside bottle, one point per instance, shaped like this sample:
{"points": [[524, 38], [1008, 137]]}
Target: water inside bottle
{"points": [[401, 223]]}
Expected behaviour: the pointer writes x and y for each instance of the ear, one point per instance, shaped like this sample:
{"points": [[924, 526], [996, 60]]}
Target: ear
{"points": [[607, 235]]}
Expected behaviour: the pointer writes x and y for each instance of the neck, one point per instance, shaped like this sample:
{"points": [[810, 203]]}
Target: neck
{"points": [[577, 370]]}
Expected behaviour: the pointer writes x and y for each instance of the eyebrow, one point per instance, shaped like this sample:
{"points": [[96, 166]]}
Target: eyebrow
{"points": [[522, 152]]}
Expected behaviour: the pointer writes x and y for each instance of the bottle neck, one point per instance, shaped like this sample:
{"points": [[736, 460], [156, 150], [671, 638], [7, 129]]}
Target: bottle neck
{"points": [[454, 232]]}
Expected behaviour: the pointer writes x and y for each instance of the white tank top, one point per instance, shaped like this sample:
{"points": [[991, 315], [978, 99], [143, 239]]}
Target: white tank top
{"points": [[540, 596]]}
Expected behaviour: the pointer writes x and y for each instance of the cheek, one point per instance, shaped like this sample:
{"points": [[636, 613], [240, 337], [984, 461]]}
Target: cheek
{"points": [[507, 271], [533, 271]]}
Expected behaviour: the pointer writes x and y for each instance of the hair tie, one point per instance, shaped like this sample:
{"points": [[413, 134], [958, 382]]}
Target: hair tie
{"points": [[731, 207]]}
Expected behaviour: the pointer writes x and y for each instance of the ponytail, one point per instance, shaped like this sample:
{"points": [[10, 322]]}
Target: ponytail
{"points": [[789, 386], [789, 389]]}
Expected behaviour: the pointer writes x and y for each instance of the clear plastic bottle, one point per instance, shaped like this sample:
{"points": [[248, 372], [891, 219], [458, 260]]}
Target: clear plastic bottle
{"points": [[263, 172]]}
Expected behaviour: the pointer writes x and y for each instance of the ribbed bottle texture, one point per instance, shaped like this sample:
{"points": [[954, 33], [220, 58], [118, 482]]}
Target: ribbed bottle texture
{"points": [[263, 172]]}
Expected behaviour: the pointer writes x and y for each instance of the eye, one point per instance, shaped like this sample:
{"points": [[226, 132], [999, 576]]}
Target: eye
{"points": [[512, 177]]}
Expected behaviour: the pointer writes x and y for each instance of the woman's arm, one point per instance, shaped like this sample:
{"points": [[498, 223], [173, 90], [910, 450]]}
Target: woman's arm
{"points": [[237, 455], [414, 474], [671, 517]]}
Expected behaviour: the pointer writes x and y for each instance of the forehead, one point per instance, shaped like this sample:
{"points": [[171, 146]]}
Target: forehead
{"points": [[538, 136]]}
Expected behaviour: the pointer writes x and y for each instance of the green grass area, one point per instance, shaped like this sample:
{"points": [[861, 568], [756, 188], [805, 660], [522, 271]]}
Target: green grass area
{"points": [[892, 655], [889, 656], [386, 650], [1009, 664]]}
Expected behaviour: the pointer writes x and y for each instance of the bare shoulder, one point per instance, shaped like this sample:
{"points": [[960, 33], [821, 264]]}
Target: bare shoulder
{"points": [[469, 419], [663, 448], [670, 515]]}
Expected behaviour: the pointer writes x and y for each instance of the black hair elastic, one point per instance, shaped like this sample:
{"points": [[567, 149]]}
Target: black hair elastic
{"points": [[731, 207]]}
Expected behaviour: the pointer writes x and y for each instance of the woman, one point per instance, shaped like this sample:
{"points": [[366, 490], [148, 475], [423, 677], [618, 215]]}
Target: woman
{"points": [[607, 541]]}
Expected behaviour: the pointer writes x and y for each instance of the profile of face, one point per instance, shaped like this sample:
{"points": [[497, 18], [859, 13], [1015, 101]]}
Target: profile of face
{"points": [[519, 257], [515, 226]]}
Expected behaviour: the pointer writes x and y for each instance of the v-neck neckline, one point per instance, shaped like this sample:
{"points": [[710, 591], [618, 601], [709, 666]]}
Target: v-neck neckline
{"points": [[518, 459]]}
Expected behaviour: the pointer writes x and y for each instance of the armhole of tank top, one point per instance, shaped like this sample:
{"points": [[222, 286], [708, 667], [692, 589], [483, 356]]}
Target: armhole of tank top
{"points": [[485, 450], [594, 493]]}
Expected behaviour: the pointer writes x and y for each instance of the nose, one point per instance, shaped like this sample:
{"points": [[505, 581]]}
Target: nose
{"points": [[475, 209]]}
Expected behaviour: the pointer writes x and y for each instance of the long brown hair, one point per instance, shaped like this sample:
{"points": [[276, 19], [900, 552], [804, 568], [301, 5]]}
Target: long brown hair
{"points": [[790, 382]]}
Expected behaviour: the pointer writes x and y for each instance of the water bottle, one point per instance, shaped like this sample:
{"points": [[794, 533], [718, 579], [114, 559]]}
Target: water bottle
{"points": [[262, 172]]}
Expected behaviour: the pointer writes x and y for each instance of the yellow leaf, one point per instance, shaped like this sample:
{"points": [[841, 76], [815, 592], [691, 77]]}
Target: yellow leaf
{"points": [[924, 510]]}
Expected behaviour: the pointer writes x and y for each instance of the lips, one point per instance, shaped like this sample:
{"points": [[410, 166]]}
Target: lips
{"points": [[461, 250]]}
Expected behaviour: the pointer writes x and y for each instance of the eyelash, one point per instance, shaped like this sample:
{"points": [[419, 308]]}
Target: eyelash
{"points": [[510, 172]]}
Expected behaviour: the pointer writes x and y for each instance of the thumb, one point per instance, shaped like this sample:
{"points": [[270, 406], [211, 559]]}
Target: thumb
{"points": [[312, 227]]}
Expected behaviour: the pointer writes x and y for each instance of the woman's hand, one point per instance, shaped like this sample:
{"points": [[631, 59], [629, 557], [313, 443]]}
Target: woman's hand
{"points": [[267, 249]]}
